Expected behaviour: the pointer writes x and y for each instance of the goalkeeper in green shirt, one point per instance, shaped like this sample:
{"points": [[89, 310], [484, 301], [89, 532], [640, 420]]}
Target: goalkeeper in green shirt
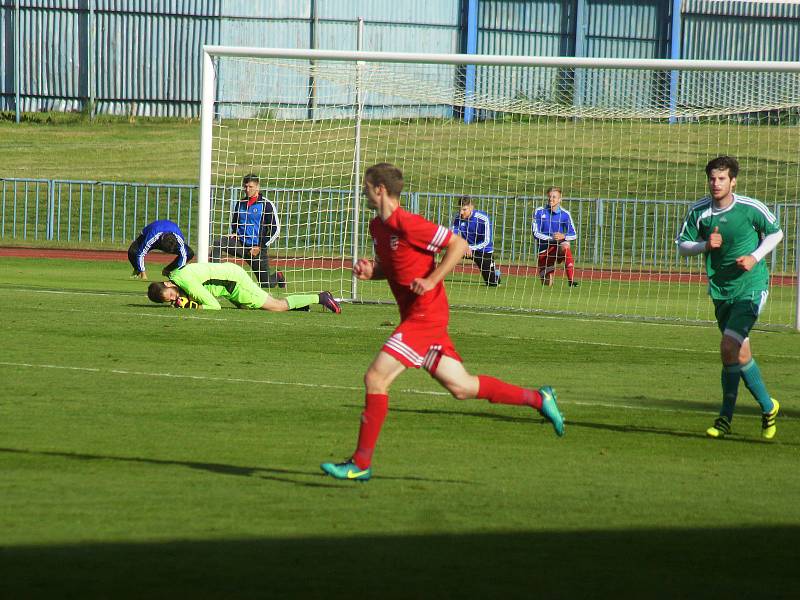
{"points": [[734, 233], [198, 285]]}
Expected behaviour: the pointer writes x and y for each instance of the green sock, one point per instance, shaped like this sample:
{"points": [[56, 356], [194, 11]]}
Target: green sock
{"points": [[730, 389], [301, 300], [752, 379]]}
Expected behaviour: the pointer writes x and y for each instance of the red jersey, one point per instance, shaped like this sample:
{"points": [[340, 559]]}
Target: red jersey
{"points": [[405, 246]]}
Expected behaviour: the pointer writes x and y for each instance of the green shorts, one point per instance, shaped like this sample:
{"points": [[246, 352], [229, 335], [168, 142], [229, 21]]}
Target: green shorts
{"points": [[736, 317], [247, 293]]}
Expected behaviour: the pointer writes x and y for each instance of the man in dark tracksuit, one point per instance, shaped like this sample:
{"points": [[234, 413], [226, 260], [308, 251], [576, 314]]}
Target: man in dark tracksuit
{"points": [[475, 226], [161, 235], [254, 226]]}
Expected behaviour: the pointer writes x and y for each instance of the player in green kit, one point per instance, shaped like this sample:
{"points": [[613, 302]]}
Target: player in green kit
{"points": [[198, 285], [735, 233]]}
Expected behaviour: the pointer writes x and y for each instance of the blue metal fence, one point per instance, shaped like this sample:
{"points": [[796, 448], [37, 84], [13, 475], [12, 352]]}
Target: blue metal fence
{"points": [[614, 233], [88, 212]]}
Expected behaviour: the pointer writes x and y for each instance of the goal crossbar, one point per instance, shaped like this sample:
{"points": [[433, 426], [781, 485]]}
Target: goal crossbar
{"points": [[210, 83], [498, 60]]}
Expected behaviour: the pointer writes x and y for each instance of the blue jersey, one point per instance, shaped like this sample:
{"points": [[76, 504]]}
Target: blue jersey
{"points": [[257, 224], [477, 230], [154, 232], [546, 223]]}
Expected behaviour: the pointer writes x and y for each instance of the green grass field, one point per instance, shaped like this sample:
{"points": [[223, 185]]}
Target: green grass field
{"points": [[150, 452]]}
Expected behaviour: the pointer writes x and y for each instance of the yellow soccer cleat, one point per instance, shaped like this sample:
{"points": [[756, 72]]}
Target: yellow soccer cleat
{"points": [[768, 427], [720, 428]]}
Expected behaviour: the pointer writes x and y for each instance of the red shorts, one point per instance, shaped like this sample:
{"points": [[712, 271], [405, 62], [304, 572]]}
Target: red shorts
{"points": [[548, 259], [419, 343]]}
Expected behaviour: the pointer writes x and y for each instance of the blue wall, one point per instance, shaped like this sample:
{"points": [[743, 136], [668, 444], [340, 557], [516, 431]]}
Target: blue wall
{"points": [[142, 57]]}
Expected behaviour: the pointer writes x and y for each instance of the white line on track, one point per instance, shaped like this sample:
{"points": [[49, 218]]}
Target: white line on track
{"points": [[276, 382], [672, 349], [67, 292], [679, 349], [206, 377]]}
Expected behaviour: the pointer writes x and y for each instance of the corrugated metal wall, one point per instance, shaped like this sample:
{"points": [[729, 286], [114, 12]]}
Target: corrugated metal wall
{"points": [[143, 56], [628, 29], [410, 26], [148, 55], [625, 29], [741, 30]]}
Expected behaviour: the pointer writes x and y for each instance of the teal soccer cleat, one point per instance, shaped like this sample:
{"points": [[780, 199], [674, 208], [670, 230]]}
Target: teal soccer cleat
{"points": [[346, 470], [550, 409]]}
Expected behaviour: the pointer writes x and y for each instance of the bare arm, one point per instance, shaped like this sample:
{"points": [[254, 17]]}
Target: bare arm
{"points": [[456, 248]]}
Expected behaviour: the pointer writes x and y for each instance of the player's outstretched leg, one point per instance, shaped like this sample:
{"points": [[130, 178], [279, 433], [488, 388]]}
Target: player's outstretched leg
{"points": [[346, 470], [327, 300], [497, 391], [550, 409]]}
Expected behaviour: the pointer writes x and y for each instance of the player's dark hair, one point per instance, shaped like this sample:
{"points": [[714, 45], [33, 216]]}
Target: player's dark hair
{"points": [[465, 201], [386, 175], [553, 188], [155, 291], [169, 243], [723, 163], [251, 177]]}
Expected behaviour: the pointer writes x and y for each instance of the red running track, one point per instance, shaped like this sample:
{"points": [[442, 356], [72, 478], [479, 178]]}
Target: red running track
{"points": [[331, 263]]}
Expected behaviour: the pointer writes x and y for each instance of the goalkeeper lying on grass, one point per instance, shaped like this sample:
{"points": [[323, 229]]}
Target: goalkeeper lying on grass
{"points": [[198, 285]]}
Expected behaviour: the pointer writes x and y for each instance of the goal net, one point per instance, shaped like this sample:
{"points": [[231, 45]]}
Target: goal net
{"points": [[626, 142]]}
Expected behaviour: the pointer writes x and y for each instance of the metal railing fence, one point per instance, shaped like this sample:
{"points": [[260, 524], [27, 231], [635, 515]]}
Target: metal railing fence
{"points": [[89, 212], [613, 233]]}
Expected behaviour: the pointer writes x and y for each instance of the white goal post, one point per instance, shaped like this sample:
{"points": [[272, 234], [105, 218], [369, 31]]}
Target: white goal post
{"points": [[626, 140]]}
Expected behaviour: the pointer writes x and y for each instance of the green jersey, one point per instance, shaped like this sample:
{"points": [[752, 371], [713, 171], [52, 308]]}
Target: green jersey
{"points": [[205, 282], [742, 224]]}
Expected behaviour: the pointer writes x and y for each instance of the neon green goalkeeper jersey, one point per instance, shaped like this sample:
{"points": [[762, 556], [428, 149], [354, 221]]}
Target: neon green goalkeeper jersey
{"points": [[205, 282], [742, 225]]}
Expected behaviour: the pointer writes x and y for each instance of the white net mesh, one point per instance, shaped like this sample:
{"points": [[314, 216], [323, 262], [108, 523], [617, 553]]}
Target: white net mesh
{"points": [[626, 146]]}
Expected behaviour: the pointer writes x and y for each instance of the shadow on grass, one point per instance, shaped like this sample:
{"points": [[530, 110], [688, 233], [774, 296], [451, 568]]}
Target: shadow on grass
{"points": [[645, 563], [299, 478], [572, 423], [745, 405]]}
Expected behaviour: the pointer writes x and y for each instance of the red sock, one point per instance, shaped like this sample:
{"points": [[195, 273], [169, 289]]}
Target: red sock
{"points": [[375, 409], [500, 392], [542, 263], [569, 264]]}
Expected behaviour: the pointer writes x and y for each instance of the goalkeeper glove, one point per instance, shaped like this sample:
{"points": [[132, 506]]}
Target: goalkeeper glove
{"points": [[184, 302]]}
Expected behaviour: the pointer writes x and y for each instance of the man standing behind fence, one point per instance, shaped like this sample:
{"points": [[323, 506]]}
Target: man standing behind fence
{"points": [[554, 230], [254, 226], [161, 235], [476, 227]]}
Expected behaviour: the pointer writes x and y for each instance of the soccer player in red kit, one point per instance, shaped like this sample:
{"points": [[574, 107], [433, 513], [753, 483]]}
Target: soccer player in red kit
{"points": [[405, 245]]}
